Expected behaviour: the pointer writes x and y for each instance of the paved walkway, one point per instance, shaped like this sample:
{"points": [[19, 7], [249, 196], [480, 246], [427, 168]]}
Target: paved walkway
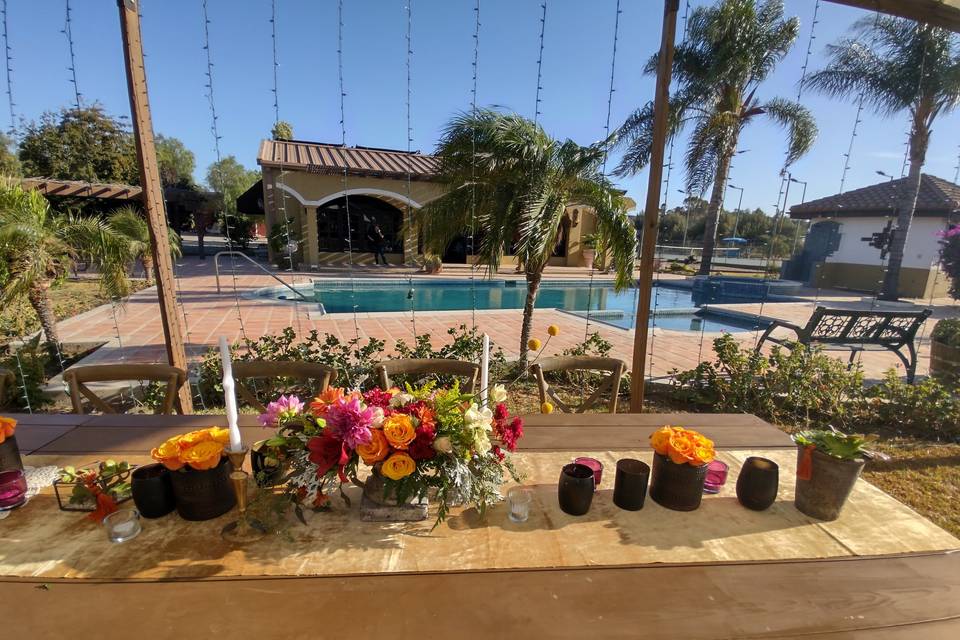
{"points": [[133, 333]]}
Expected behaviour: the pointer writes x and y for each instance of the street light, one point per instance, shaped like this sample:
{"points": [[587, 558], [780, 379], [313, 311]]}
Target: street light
{"points": [[803, 198], [885, 175], [686, 222], [736, 218]]}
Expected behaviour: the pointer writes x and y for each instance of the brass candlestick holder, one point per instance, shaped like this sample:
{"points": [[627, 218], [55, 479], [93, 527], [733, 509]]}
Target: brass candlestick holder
{"points": [[244, 529]]}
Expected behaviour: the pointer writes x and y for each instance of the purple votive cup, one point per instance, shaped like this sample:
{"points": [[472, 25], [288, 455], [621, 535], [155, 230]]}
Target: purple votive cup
{"points": [[716, 476], [13, 486], [595, 465]]}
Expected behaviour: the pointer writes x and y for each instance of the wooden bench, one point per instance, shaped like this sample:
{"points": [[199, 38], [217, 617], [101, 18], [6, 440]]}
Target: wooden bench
{"points": [[855, 331]]}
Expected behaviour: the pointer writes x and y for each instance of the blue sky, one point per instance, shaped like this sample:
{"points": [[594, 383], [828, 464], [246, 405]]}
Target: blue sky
{"points": [[576, 71]]}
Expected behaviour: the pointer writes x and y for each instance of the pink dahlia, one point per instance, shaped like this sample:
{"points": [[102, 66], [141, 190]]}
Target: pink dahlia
{"points": [[282, 408], [350, 420]]}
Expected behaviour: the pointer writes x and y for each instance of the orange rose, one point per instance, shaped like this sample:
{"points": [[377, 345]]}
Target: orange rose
{"points": [[377, 450], [188, 440], [219, 435], [326, 398], [168, 454], [203, 455], [399, 430], [398, 466], [7, 427], [660, 439]]}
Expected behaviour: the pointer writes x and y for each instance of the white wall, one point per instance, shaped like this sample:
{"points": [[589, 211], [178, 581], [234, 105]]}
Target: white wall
{"points": [[923, 246]]}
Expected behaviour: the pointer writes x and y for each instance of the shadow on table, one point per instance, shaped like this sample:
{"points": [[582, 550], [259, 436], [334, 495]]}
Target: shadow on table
{"points": [[719, 517]]}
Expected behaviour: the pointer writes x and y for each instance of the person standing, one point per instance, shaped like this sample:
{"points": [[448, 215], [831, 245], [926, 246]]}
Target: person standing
{"points": [[377, 241]]}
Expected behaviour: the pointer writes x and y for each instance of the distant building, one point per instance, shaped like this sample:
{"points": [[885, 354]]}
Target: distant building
{"points": [[845, 248], [319, 179]]}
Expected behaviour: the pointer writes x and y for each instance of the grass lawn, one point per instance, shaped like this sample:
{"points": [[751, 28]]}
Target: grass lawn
{"points": [[69, 299]]}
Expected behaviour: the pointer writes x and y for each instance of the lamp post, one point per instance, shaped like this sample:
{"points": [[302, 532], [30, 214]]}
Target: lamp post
{"points": [[885, 175], [736, 218], [686, 222], [803, 198]]}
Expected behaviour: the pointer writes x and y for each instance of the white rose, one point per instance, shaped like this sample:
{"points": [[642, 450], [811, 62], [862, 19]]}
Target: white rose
{"points": [[400, 399], [443, 445], [498, 393], [481, 441], [377, 417]]}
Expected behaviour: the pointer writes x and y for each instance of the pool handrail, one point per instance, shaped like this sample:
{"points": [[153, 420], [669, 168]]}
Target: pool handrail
{"points": [[216, 270]]}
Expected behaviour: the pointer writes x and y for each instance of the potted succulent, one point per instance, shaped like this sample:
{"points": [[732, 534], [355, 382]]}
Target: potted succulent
{"points": [[589, 243], [200, 472], [431, 263], [9, 451], [828, 465], [680, 462], [945, 350]]}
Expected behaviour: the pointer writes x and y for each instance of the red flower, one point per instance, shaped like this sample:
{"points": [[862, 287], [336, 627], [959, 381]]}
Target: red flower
{"points": [[377, 398], [328, 452], [422, 447], [511, 434], [500, 412], [497, 451], [424, 415]]}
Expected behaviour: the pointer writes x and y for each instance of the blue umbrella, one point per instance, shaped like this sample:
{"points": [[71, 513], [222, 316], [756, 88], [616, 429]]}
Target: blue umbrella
{"points": [[736, 240]]}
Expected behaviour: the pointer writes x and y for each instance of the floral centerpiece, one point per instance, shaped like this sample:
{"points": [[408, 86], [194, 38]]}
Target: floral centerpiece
{"points": [[97, 488], [201, 478], [680, 464], [418, 441]]}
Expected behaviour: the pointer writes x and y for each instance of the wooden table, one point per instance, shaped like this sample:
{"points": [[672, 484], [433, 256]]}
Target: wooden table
{"points": [[905, 596]]}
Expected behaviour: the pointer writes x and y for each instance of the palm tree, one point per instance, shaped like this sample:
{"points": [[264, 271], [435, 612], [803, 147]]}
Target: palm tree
{"points": [[729, 51], [508, 184], [38, 247], [897, 65], [128, 225]]}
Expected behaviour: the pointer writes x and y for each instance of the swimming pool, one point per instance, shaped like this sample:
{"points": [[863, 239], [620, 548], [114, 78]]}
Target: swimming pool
{"points": [[673, 307]]}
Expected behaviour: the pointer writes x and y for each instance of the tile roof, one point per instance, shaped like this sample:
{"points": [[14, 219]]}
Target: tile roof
{"points": [[332, 159], [937, 197]]}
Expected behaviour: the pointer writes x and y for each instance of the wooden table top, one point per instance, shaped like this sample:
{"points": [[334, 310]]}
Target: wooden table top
{"points": [[906, 596]]}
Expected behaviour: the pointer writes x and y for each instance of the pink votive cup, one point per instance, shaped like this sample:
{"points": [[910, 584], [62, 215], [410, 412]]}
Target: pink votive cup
{"points": [[716, 476], [595, 465], [13, 487]]}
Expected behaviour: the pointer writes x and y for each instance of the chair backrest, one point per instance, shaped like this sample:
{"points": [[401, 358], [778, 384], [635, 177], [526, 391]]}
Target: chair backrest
{"points": [[7, 382], [863, 326], [611, 384], [78, 376], [269, 371], [425, 367]]}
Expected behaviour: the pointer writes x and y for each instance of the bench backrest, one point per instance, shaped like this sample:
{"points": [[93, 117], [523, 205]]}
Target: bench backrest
{"points": [[845, 326]]}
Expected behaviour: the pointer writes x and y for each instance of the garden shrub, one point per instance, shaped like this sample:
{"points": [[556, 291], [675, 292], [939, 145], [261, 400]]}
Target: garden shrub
{"points": [[947, 331], [30, 375], [926, 409]]}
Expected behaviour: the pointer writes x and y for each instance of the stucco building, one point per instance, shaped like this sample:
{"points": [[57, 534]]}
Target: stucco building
{"points": [[331, 193], [841, 250]]}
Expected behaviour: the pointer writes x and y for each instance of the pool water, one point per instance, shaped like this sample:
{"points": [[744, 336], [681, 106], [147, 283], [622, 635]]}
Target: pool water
{"points": [[673, 307]]}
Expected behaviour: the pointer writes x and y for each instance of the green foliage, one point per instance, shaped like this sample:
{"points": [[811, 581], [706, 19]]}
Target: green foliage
{"points": [[926, 409], [30, 374], [465, 344], [802, 386], [594, 345], [230, 179], [111, 476], [85, 144], [947, 331], [833, 443], [282, 130], [950, 258], [279, 237], [175, 161], [9, 162], [239, 228]]}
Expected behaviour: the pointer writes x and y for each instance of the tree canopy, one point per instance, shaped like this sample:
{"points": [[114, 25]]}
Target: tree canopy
{"points": [[230, 178], [176, 162], [282, 130]]}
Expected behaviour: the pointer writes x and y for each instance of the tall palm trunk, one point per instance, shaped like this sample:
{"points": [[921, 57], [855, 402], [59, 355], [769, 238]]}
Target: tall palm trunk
{"points": [[906, 204], [713, 211], [533, 286], [147, 260], [39, 297]]}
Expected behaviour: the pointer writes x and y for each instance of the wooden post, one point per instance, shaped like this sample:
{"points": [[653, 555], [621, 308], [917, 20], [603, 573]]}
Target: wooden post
{"points": [[661, 106], [152, 193]]}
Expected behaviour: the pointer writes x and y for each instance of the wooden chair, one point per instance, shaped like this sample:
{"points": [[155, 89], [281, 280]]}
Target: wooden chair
{"points": [[610, 385], [78, 376], [269, 371], [425, 367]]}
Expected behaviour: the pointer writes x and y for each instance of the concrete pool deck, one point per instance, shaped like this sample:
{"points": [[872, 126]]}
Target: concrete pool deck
{"points": [[133, 333]]}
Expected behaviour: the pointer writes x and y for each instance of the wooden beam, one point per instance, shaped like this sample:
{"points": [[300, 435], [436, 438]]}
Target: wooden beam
{"points": [[940, 13], [661, 107], [152, 192]]}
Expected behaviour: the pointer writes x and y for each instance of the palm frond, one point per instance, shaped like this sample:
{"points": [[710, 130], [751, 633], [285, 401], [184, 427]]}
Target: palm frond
{"points": [[799, 123]]}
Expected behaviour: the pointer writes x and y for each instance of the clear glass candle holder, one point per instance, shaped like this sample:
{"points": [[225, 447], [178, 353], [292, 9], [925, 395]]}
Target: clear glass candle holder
{"points": [[122, 525], [518, 503]]}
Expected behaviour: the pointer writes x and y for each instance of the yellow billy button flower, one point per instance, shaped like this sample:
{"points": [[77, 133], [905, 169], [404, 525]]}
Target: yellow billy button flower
{"points": [[546, 407], [398, 466], [534, 344], [553, 330]]}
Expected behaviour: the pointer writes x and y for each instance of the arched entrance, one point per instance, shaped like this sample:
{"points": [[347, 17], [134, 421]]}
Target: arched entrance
{"points": [[365, 213]]}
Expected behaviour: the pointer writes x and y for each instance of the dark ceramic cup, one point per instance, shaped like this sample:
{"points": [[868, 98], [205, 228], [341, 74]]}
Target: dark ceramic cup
{"points": [[758, 483], [152, 491], [630, 488], [576, 488]]}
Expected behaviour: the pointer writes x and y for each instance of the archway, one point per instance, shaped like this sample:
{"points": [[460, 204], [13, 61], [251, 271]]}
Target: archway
{"points": [[365, 213]]}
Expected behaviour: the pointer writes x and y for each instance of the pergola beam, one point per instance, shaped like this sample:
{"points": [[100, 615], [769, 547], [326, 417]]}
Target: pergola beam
{"points": [[940, 13]]}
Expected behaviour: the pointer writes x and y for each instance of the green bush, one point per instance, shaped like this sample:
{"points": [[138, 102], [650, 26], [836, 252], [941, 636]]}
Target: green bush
{"points": [[947, 331], [239, 229], [926, 409], [30, 375]]}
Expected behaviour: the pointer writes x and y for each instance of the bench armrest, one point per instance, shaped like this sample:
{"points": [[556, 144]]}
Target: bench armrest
{"points": [[775, 325]]}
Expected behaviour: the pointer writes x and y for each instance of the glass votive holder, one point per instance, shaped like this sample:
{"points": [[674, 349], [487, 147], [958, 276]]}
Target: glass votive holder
{"points": [[716, 476], [518, 503], [758, 483], [595, 465], [630, 486], [122, 525], [13, 489]]}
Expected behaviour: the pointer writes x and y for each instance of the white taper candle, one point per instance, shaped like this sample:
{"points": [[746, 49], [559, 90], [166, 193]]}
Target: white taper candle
{"points": [[484, 370], [230, 396]]}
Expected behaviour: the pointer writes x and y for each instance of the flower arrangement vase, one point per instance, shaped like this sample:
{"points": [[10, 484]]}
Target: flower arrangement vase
{"points": [[831, 481], [10, 455], [203, 495], [152, 490], [676, 486], [379, 504]]}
